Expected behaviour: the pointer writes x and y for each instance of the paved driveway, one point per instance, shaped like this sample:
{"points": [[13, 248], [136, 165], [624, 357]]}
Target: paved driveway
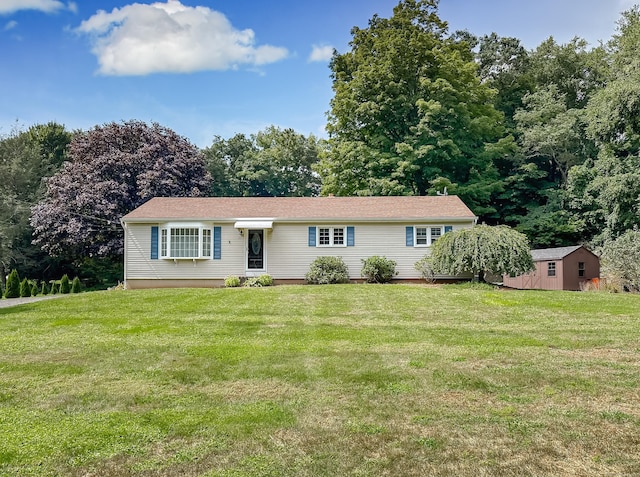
{"points": [[7, 302]]}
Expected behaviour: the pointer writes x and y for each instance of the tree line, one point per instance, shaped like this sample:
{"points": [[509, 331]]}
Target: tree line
{"points": [[546, 141]]}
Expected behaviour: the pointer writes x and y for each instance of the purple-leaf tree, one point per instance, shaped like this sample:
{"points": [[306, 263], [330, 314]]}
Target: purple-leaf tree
{"points": [[112, 169]]}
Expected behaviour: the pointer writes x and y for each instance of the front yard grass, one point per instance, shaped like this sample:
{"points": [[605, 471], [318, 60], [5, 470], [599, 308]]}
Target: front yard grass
{"points": [[365, 380]]}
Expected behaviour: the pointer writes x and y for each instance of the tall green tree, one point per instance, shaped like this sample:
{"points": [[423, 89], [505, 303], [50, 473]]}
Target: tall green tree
{"points": [[273, 162], [26, 158], [505, 65], [604, 194], [409, 108]]}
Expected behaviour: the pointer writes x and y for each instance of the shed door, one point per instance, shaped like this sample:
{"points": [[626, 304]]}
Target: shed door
{"points": [[255, 249]]}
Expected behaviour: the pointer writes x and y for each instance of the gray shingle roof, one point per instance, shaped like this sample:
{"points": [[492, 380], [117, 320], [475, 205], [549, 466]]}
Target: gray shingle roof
{"points": [[557, 253]]}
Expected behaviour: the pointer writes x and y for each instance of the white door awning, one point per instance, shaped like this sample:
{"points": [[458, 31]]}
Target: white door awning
{"points": [[254, 224]]}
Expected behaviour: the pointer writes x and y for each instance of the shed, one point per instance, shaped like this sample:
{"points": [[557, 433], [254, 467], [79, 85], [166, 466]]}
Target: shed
{"points": [[560, 268]]}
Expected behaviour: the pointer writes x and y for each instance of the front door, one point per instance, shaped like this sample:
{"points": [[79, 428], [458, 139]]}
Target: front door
{"points": [[255, 249]]}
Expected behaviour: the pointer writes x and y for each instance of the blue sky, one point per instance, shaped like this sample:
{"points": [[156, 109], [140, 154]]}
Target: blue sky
{"points": [[217, 68]]}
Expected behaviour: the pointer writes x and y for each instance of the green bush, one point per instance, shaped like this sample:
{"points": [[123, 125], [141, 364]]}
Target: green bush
{"points": [[232, 281], [265, 280], [25, 288], [54, 288], [65, 284], [327, 270], [45, 288], [76, 286], [13, 285], [34, 288], [378, 269], [425, 268], [251, 282]]}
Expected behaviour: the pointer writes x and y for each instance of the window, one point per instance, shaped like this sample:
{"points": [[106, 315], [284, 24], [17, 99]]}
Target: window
{"points": [[338, 236], [581, 269], [426, 236], [421, 236], [436, 233], [185, 242], [324, 236], [206, 242], [551, 269], [331, 237]]}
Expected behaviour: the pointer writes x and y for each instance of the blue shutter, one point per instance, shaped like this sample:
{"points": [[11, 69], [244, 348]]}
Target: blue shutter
{"points": [[154, 243], [312, 236], [217, 243], [448, 228], [351, 239], [409, 236]]}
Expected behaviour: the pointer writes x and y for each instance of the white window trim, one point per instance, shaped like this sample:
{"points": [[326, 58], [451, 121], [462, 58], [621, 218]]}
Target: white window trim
{"points": [[332, 236], [166, 229], [428, 227]]}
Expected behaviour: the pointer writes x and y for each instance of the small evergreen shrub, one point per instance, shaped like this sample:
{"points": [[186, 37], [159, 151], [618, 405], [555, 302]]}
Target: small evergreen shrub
{"points": [[13, 285], [265, 280], [25, 288], [35, 289], [378, 269], [327, 270], [65, 284], [76, 286], [45, 288], [54, 288], [232, 281]]}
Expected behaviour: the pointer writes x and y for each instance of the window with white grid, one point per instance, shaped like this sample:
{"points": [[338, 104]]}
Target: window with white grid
{"points": [[186, 242], [331, 237]]}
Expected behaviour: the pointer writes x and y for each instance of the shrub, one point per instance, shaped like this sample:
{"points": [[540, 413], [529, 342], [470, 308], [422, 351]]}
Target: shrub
{"points": [[232, 281], [76, 286], [621, 261], [425, 268], [327, 270], [265, 280], [45, 288], [25, 288], [251, 282], [378, 269], [34, 288], [13, 285], [65, 284], [54, 288]]}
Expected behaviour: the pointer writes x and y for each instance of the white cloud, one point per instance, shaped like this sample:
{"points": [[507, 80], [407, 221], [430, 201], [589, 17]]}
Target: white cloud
{"points": [[10, 25], [321, 53], [48, 6], [169, 37]]}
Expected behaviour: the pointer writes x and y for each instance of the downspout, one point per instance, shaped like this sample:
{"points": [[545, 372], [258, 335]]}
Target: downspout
{"points": [[124, 227]]}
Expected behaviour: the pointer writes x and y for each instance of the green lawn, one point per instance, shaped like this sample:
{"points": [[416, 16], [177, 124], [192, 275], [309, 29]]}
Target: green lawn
{"points": [[363, 380]]}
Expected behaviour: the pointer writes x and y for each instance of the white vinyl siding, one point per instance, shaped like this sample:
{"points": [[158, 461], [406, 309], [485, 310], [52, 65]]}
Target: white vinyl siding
{"points": [[287, 246], [140, 266], [290, 254]]}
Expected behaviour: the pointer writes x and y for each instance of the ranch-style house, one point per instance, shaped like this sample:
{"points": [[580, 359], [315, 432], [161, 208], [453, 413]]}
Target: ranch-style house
{"points": [[197, 242]]}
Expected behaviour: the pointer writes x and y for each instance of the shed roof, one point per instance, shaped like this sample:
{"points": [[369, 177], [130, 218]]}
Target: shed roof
{"points": [[301, 208], [558, 253]]}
